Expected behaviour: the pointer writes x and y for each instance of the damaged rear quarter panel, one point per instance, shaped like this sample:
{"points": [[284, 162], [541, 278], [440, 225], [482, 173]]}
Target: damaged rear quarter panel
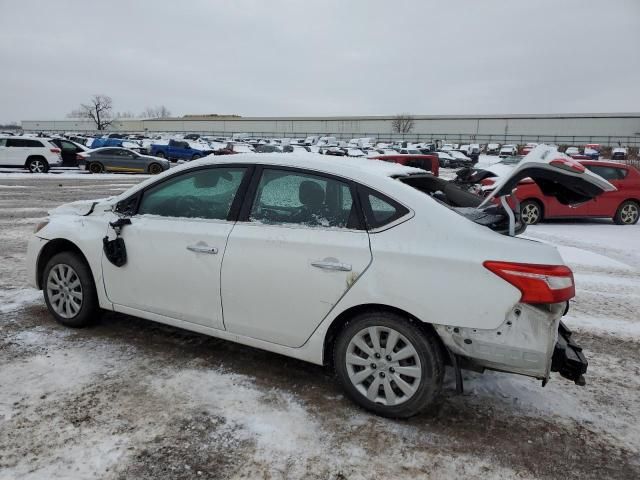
{"points": [[522, 344]]}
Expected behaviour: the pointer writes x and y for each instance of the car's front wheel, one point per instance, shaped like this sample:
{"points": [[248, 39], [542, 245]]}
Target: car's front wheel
{"points": [[69, 290], [388, 364], [530, 212], [627, 214], [38, 165]]}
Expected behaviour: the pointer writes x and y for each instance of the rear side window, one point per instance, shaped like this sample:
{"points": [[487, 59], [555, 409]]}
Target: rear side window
{"points": [[380, 210], [294, 197], [608, 173]]}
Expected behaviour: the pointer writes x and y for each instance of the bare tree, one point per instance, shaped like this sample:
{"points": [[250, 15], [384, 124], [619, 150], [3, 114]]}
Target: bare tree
{"points": [[126, 114], [402, 123], [156, 112], [99, 109]]}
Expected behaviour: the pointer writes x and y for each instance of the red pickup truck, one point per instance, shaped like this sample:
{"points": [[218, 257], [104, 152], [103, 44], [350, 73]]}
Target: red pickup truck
{"points": [[425, 162]]}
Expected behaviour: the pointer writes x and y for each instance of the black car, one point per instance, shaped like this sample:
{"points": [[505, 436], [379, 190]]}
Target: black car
{"points": [[69, 151]]}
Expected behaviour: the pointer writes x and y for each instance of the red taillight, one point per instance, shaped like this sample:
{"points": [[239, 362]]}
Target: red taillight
{"points": [[568, 164], [538, 283], [55, 150], [79, 157]]}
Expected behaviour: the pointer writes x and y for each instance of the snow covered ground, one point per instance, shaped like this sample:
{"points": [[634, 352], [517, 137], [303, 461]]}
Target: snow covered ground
{"points": [[133, 399]]}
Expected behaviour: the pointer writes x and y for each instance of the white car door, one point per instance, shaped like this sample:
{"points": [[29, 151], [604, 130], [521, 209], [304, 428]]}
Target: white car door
{"points": [[175, 245], [294, 253], [17, 152]]}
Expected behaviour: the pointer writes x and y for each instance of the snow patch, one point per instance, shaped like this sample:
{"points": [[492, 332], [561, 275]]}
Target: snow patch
{"points": [[11, 300]]}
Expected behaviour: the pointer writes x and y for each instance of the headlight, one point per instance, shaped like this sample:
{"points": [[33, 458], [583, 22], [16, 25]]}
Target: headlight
{"points": [[41, 225]]}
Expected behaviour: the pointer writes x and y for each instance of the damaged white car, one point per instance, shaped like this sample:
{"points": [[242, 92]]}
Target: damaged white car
{"points": [[357, 265]]}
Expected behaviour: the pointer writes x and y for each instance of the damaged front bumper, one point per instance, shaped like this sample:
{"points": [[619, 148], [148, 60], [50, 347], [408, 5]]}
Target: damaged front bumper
{"points": [[568, 359]]}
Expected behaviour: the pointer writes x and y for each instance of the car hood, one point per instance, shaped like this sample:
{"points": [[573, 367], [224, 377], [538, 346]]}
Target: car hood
{"points": [[84, 207], [556, 174]]}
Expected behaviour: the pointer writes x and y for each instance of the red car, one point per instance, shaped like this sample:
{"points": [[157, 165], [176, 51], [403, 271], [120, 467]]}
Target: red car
{"points": [[622, 205], [425, 162]]}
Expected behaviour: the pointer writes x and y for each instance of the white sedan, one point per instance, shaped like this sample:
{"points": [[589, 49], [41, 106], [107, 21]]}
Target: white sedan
{"points": [[351, 264]]}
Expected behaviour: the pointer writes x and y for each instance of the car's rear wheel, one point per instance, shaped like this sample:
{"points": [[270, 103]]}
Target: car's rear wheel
{"points": [[96, 167], [69, 290], [160, 155], [37, 165], [628, 213], [196, 157], [531, 212], [388, 364], [155, 169]]}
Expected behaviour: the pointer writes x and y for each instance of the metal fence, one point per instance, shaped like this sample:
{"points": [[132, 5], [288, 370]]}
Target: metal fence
{"points": [[460, 138]]}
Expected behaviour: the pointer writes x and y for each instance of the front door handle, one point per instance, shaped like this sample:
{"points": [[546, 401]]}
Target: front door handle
{"points": [[199, 248], [327, 265]]}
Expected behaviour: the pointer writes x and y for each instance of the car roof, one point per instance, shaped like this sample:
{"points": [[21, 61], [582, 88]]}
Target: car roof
{"points": [[99, 149], [370, 172], [26, 137], [604, 163]]}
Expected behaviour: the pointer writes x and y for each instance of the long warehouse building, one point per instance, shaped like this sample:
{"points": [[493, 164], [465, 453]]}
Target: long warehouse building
{"points": [[603, 128]]}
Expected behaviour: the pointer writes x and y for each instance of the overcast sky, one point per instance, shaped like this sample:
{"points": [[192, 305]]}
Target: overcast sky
{"points": [[263, 58]]}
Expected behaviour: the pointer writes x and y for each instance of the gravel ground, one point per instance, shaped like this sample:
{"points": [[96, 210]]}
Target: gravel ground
{"points": [[129, 398]]}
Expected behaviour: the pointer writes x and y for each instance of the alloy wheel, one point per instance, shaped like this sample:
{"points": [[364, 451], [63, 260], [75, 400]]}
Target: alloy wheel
{"points": [[530, 214], [36, 166], [383, 365], [64, 290], [629, 213]]}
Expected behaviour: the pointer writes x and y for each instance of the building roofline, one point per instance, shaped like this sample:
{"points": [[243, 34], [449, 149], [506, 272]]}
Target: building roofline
{"points": [[415, 117], [366, 117]]}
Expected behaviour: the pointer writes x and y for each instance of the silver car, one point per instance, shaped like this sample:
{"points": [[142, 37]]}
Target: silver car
{"points": [[114, 159]]}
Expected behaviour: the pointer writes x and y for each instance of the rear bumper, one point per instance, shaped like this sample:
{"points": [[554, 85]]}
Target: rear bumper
{"points": [[525, 343], [568, 359]]}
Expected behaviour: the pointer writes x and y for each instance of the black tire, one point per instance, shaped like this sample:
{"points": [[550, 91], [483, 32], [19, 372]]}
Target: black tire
{"points": [[89, 307], [531, 212], [196, 157], [628, 213], [37, 165], [96, 167], [160, 155], [429, 353], [155, 169]]}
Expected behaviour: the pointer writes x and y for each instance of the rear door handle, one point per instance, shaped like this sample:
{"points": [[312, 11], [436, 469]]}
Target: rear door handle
{"points": [[326, 265], [198, 248]]}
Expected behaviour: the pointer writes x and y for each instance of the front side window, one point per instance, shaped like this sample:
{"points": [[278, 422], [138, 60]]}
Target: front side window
{"points": [[17, 142], [288, 197], [207, 193], [68, 146]]}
